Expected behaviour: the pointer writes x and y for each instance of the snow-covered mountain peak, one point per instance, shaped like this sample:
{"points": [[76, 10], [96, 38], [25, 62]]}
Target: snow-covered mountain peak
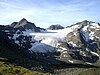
{"points": [[85, 23]]}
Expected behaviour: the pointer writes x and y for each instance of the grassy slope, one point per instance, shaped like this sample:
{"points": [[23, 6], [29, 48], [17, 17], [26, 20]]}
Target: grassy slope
{"points": [[11, 69], [92, 71]]}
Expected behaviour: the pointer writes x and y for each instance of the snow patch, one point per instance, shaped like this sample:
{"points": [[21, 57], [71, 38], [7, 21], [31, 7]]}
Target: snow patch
{"points": [[7, 31], [65, 52], [15, 36], [91, 35], [71, 61], [94, 53], [17, 42], [97, 37], [50, 41], [9, 37], [75, 33], [95, 25], [88, 63], [64, 32], [74, 45], [65, 55], [85, 28]]}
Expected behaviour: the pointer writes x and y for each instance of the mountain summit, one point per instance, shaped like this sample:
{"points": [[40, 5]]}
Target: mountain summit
{"points": [[23, 24], [55, 27], [20, 23]]}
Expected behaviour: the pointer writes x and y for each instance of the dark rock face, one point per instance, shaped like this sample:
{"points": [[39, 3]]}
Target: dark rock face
{"points": [[6, 39], [15, 36], [14, 24], [55, 27]]}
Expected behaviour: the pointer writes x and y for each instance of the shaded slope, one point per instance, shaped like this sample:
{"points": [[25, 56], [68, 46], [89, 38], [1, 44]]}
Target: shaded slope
{"points": [[7, 68]]}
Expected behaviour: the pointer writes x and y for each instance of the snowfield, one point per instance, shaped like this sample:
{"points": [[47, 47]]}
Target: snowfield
{"points": [[48, 41]]}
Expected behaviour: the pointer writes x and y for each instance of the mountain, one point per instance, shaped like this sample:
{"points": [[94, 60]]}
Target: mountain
{"points": [[23, 24], [31, 47], [78, 43], [55, 27], [82, 42]]}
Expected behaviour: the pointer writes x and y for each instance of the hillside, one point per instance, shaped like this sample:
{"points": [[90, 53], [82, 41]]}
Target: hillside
{"points": [[7, 68]]}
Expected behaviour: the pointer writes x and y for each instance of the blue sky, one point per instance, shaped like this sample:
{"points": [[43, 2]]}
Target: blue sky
{"points": [[47, 12]]}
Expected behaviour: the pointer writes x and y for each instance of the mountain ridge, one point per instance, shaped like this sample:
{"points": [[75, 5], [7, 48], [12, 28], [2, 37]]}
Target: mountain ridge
{"points": [[76, 44]]}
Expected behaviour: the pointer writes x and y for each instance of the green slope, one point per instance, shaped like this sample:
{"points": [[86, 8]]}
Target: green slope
{"points": [[92, 71], [7, 68]]}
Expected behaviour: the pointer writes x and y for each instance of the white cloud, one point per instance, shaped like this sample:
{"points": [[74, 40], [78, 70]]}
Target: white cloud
{"points": [[46, 13]]}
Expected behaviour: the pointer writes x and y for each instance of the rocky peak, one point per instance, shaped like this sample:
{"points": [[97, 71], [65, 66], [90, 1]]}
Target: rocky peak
{"points": [[84, 22], [24, 25], [55, 27], [22, 22]]}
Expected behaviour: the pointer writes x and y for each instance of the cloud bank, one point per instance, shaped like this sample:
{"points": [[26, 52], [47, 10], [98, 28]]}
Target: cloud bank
{"points": [[47, 12]]}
